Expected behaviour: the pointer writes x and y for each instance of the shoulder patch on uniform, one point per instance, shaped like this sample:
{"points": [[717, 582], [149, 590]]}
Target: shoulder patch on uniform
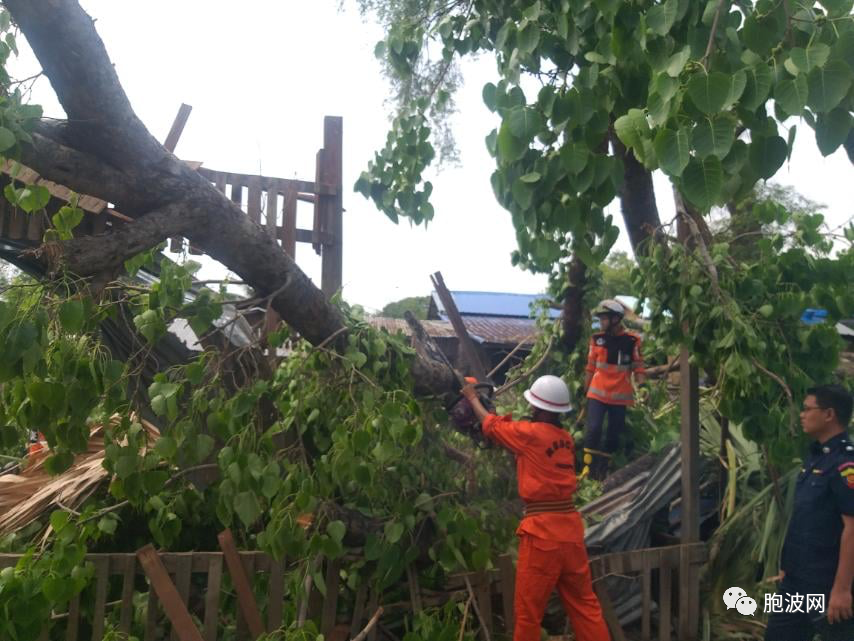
{"points": [[600, 341], [846, 471]]}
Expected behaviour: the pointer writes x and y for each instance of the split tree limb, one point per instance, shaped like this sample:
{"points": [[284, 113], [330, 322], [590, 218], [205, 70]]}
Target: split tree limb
{"points": [[366, 630]]}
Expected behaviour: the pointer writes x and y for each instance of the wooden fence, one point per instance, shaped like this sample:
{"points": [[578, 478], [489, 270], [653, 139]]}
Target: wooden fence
{"points": [[270, 202], [199, 578]]}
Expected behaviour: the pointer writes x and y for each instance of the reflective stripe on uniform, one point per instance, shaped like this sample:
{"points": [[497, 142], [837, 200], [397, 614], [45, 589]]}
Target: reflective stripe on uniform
{"points": [[615, 396], [611, 367]]}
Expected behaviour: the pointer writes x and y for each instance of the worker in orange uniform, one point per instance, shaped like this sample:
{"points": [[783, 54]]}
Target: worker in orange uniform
{"points": [[614, 356], [551, 534]]}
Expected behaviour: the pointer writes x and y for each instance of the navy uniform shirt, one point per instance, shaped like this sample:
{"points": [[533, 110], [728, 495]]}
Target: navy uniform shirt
{"points": [[824, 492]]}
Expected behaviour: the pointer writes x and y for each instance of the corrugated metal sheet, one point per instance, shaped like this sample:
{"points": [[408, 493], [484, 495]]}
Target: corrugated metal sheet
{"points": [[493, 304], [483, 329]]}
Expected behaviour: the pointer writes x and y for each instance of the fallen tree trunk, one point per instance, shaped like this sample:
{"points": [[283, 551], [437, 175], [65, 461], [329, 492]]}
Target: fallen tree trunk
{"points": [[103, 149]]}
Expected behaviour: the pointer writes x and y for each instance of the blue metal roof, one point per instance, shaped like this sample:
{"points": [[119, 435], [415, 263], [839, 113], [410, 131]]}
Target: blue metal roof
{"points": [[493, 304]]}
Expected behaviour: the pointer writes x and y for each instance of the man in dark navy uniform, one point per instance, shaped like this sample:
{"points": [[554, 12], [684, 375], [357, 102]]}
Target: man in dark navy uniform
{"points": [[818, 552]]}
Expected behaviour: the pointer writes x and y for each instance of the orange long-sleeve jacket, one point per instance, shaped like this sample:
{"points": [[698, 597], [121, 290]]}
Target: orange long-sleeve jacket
{"points": [[612, 358], [545, 470]]}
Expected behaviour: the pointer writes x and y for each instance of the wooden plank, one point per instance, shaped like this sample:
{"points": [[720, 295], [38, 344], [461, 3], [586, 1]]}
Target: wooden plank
{"points": [[608, 612], [176, 243], [483, 593], [212, 597], [330, 602], [414, 589], [220, 182], [168, 595], [646, 597], [242, 631], [508, 587], [373, 604], [245, 598], [276, 592], [35, 226], [73, 619], [665, 590], [183, 574], [152, 614], [359, 610], [332, 266], [272, 212], [253, 202], [302, 186], [128, 564], [288, 230], [17, 224], [177, 128], [319, 206], [475, 365], [102, 569]]}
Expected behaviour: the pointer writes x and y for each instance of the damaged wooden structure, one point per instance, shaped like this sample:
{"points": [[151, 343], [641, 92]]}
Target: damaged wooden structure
{"points": [[270, 202]]}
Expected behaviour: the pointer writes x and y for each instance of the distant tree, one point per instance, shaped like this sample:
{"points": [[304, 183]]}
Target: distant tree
{"points": [[617, 276], [415, 304]]}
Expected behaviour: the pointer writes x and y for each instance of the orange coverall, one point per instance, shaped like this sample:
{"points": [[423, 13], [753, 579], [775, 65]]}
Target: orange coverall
{"points": [[551, 543]]}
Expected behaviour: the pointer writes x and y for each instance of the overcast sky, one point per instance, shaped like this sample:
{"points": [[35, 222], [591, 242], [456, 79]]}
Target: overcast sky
{"points": [[261, 75]]}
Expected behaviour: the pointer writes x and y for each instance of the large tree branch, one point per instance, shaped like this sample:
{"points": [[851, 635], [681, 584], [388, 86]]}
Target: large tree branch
{"points": [[91, 255], [76, 62], [637, 199]]}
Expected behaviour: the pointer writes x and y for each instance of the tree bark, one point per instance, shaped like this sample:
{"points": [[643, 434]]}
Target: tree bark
{"points": [[637, 200], [573, 304], [103, 149]]}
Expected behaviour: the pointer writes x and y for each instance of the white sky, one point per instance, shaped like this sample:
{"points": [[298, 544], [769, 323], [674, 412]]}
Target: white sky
{"points": [[261, 75]]}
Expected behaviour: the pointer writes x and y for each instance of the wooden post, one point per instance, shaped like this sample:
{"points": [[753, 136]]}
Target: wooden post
{"points": [[245, 598], [176, 244], [467, 346], [177, 129], [689, 401], [177, 612], [332, 220]]}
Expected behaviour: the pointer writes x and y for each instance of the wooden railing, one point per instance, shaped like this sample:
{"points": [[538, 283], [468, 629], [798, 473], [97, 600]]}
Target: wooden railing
{"points": [[201, 584]]}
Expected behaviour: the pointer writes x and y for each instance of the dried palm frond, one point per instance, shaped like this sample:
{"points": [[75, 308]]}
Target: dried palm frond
{"points": [[27, 495]]}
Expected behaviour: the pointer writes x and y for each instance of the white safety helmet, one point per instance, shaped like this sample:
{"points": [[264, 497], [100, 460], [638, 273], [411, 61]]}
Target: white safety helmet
{"points": [[549, 393], [609, 306]]}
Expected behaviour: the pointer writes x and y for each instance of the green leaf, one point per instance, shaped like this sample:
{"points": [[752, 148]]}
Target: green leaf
{"points": [[7, 139], [247, 507], [166, 447], [671, 148], [805, 60], [574, 157], [677, 62], [393, 531], [531, 177], [737, 86], [533, 11], [702, 182], [528, 38], [510, 148], [714, 136], [524, 123], [523, 193], [204, 445], [767, 154], [661, 17], [762, 34], [659, 109], [709, 92], [792, 94], [107, 525], [766, 310], [58, 520], [632, 128], [759, 81], [832, 129], [336, 530], [72, 315], [828, 85], [489, 96]]}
